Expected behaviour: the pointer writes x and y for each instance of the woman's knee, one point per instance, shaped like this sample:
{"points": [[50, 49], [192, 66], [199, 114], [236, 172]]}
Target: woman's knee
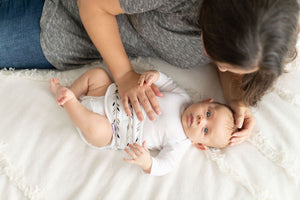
{"points": [[19, 36]]}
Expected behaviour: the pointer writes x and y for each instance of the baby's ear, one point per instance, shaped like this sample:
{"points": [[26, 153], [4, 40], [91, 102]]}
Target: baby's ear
{"points": [[200, 146], [208, 100]]}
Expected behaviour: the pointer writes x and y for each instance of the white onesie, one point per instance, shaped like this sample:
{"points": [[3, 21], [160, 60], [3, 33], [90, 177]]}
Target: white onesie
{"points": [[165, 133]]}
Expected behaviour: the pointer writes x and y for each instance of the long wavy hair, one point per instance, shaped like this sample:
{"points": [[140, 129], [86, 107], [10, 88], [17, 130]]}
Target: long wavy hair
{"points": [[251, 33]]}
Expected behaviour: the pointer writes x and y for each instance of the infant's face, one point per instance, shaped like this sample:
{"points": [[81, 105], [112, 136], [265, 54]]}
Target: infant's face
{"points": [[207, 123]]}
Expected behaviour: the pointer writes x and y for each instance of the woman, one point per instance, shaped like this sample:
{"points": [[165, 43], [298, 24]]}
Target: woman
{"points": [[248, 40]]}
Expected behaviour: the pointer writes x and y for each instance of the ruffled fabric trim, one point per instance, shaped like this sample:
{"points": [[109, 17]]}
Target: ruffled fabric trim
{"points": [[293, 66], [36, 75], [32, 74], [217, 156], [282, 159], [288, 95], [16, 177], [284, 93]]}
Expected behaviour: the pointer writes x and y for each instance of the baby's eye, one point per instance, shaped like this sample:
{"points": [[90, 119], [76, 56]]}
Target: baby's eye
{"points": [[205, 131], [208, 114]]}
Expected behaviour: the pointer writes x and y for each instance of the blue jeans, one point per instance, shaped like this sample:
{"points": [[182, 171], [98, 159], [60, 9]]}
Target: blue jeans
{"points": [[20, 34]]}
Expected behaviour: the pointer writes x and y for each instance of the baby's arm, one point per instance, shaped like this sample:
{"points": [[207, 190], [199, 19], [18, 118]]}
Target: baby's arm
{"points": [[160, 165], [162, 81], [169, 157], [140, 155]]}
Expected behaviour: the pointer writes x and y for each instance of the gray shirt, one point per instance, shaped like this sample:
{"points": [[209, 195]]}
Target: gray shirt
{"points": [[165, 29]]}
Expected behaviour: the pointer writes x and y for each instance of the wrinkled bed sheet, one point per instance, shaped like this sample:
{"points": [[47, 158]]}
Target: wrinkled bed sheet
{"points": [[43, 157]]}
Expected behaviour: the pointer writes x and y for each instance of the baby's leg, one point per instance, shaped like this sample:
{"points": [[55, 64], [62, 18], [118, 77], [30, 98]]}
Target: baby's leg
{"points": [[94, 82], [61, 93], [95, 128]]}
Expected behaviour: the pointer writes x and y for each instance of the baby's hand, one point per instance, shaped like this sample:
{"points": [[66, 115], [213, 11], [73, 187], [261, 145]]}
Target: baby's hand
{"points": [[148, 77], [140, 155]]}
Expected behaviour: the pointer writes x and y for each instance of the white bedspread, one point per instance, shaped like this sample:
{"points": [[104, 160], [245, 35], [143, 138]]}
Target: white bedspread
{"points": [[43, 157]]}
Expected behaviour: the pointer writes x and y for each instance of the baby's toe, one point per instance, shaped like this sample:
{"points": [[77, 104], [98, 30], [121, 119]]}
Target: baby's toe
{"points": [[55, 80], [54, 85]]}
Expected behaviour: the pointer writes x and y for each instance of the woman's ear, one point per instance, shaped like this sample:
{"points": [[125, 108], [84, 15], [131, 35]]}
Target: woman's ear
{"points": [[208, 100], [204, 46], [221, 68], [200, 146]]}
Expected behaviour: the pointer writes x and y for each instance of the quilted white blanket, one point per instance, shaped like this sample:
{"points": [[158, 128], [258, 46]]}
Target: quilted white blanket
{"points": [[43, 157]]}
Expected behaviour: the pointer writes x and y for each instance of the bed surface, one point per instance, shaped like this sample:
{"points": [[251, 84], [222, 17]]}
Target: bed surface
{"points": [[43, 157]]}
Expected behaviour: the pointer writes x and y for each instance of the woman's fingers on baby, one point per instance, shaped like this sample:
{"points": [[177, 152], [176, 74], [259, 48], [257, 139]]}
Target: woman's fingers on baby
{"points": [[156, 91], [144, 100], [126, 105], [153, 101], [239, 120], [237, 139], [240, 133], [135, 102]]}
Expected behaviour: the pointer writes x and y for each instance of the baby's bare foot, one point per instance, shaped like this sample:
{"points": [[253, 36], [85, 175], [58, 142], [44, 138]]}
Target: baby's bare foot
{"points": [[62, 93], [54, 85]]}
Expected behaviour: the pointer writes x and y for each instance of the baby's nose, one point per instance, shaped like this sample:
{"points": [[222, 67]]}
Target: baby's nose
{"points": [[201, 121]]}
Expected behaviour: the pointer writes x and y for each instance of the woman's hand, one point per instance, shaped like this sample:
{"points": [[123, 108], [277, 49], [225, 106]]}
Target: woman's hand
{"points": [[244, 120], [140, 155], [131, 91]]}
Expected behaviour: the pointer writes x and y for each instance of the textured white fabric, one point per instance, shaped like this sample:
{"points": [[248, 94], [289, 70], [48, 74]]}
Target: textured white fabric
{"points": [[42, 156]]}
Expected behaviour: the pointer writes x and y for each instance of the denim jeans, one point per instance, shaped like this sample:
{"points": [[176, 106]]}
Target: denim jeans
{"points": [[20, 34]]}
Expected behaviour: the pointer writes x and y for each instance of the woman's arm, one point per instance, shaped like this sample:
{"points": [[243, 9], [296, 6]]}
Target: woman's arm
{"points": [[244, 119], [98, 18], [230, 83]]}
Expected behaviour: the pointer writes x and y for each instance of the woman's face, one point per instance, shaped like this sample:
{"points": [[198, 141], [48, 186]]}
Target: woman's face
{"points": [[223, 67]]}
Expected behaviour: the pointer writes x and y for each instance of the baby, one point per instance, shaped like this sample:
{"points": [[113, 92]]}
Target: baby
{"points": [[103, 124]]}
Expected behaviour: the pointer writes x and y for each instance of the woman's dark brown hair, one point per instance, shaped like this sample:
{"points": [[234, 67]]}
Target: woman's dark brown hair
{"points": [[251, 33]]}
